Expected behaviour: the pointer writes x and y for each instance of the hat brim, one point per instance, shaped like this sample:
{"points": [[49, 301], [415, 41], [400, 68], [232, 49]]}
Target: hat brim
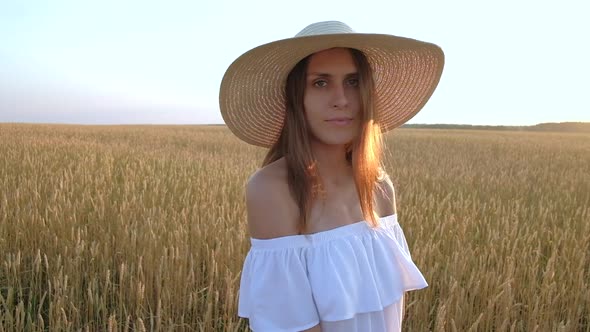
{"points": [[252, 93]]}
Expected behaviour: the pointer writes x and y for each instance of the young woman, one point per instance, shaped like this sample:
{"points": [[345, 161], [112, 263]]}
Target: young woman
{"points": [[327, 252]]}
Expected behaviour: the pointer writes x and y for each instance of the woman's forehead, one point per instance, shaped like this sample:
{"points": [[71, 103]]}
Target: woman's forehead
{"points": [[331, 61]]}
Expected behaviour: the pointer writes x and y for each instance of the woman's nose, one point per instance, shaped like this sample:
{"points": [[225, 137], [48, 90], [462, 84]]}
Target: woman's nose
{"points": [[339, 98]]}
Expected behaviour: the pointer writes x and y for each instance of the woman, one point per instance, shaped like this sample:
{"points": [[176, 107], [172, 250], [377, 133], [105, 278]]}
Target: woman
{"points": [[327, 252]]}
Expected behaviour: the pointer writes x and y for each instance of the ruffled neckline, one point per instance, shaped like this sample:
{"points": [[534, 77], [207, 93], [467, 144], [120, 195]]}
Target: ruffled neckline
{"points": [[318, 238]]}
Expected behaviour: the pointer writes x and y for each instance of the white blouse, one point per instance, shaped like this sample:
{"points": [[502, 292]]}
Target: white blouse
{"points": [[350, 278]]}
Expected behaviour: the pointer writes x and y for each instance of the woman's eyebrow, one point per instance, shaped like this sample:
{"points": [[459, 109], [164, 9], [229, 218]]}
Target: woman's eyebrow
{"points": [[319, 74], [330, 75]]}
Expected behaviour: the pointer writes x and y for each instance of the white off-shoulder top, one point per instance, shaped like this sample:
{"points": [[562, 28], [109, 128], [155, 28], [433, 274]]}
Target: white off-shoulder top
{"points": [[350, 278]]}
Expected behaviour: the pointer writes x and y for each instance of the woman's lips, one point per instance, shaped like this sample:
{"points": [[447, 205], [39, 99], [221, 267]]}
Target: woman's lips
{"points": [[340, 121]]}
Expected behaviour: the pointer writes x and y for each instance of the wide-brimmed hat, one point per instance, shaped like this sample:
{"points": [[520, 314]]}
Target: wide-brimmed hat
{"points": [[252, 93]]}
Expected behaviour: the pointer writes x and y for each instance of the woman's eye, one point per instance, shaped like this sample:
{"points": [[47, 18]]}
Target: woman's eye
{"points": [[353, 82], [320, 83]]}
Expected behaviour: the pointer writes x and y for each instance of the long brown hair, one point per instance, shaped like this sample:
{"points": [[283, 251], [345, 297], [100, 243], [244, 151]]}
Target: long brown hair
{"points": [[363, 153]]}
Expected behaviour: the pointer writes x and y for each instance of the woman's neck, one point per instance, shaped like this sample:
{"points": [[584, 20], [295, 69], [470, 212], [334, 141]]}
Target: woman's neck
{"points": [[334, 169]]}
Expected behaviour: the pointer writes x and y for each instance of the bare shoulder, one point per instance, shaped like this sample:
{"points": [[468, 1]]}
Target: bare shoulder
{"points": [[270, 208], [385, 196]]}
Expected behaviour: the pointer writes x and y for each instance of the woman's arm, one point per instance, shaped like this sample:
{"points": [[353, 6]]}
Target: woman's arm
{"points": [[403, 305], [386, 196], [314, 329]]}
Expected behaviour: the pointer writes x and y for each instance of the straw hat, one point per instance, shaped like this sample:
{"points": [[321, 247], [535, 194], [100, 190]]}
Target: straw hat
{"points": [[252, 92]]}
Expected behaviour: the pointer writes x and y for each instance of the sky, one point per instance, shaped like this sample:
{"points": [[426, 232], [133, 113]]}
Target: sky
{"points": [[507, 62]]}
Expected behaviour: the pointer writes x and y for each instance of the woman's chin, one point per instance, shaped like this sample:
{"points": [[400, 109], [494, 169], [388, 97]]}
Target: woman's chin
{"points": [[333, 141]]}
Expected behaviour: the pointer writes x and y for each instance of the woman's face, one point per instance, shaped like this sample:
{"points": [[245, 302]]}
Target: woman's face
{"points": [[331, 99]]}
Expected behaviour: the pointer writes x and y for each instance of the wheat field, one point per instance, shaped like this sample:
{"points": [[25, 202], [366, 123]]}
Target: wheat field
{"points": [[142, 228]]}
